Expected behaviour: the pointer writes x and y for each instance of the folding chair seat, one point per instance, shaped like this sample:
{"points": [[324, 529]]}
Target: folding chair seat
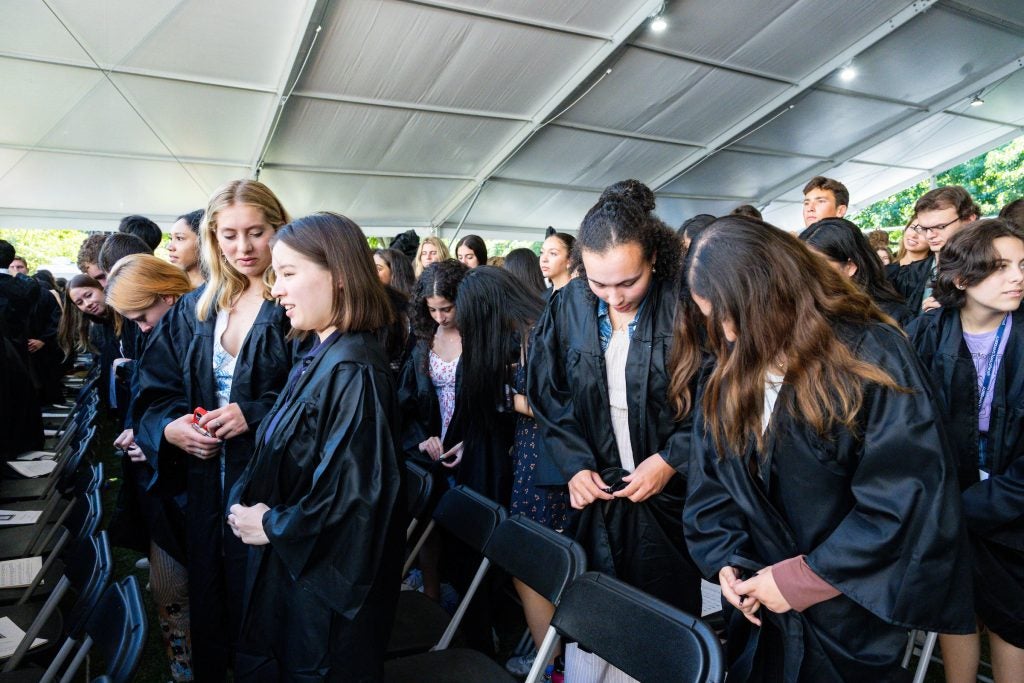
{"points": [[60, 480], [55, 512], [82, 520], [644, 637], [421, 623], [543, 559], [62, 617]]}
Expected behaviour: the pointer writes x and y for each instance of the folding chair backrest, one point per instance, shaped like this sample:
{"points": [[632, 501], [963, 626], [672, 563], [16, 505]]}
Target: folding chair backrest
{"points": [[543, 559], [89, 568], [469, 516], [418, 487], [116, 630], [85, 517], [646, 638]]}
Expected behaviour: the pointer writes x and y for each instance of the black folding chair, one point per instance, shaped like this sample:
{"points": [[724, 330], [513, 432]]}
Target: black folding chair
{"points": [[116, 630], [544, 560], [66, 611], [420, 622], [644, 637], [419, 487]]}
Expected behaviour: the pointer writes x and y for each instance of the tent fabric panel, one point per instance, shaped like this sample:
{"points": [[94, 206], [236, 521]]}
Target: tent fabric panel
{"points": [[568, 156], [955, 52], [402, 52], [1003, 101], [738, 174], [690, 103], [675, 211], [598, 16], [761, 34], [509, 204], [102, 121], [368, 200], [824, 123], [932, 142], [363, 137], [85, 183], [38, 97], [249, 43]]}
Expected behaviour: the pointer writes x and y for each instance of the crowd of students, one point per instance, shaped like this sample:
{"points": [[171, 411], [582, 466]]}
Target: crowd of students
{"points": [[831, 432]]}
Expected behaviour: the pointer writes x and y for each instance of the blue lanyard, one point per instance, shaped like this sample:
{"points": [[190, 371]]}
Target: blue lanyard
{"points": [[990, 366]]}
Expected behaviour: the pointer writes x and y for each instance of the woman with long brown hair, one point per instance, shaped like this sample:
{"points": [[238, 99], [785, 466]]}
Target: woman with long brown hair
{"points": [[820, 484], [222, 348]]}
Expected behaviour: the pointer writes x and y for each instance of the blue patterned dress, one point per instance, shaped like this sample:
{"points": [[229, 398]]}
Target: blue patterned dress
{"points": [[547, 505]]}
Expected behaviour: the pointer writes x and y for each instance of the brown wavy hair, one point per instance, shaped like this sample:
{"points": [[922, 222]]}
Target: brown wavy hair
{"points": [[784, 302]]}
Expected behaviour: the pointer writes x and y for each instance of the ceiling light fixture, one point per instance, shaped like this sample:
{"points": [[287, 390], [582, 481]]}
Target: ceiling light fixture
{"points": [[977, 101], [658, 24], [848, 73]]}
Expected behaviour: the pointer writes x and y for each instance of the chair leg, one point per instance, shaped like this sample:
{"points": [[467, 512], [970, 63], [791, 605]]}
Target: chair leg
{"points": [[911, 639], [544, 652], [926, 656]]}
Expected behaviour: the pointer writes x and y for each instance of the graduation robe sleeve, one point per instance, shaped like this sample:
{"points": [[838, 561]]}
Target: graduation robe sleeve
{"points": [[161, 396], [331, 539], [551, 399], [896, 548]]}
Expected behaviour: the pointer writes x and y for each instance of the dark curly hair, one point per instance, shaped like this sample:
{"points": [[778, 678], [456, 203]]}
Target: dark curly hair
{"points": [[969, 257], [624, 215], [438, 279]]}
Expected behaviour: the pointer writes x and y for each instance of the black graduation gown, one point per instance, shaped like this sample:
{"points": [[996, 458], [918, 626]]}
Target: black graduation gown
{"points": [[876, 513], [43, 325], [142, 515], [176, 378], [567, 387], [910, 281], [321, 597], [486, 465], [21, 423], [897, 311], [994, 508]]}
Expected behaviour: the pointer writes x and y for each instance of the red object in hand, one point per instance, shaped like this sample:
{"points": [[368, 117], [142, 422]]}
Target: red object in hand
{"points": [[197, 414]]}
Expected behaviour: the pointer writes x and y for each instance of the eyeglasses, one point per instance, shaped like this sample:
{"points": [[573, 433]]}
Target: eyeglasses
{"points": [[920, 229]]}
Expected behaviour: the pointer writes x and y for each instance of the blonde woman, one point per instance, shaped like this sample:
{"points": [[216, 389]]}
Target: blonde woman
{"points": [[142, 288], [221, 348], [432, 250]]}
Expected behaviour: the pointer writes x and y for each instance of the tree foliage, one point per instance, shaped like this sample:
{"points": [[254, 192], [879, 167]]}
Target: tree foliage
{"points": [[42, 247], [994, 179]]}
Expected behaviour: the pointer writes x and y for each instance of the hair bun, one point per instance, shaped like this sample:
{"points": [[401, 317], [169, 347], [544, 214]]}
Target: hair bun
{"points": [[632, 191]]}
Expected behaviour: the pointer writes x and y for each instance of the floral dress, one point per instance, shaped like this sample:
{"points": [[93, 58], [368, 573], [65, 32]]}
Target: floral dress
{"points": [[547, 505], [442, 375]]}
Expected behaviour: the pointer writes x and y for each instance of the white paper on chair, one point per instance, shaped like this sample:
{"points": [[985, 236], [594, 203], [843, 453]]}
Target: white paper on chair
{"points": [[15, 517], [32, 468], [36, 455], [19, 573], [11, 636]]}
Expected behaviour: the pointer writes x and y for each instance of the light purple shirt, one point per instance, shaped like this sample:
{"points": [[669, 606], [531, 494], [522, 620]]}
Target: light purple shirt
{"points": [[980, 346]]}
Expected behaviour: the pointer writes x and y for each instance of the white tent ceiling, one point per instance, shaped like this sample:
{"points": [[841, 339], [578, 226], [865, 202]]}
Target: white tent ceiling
{"points": [[408, 113]]}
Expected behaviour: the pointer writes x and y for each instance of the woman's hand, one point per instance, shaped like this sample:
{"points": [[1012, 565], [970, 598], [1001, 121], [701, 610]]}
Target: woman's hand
{"points": [[247, 523], [135, 453], [125, 439], [762, 587], [225, 423], [930, 303], [182, 434], [729, 580], [432, 447], [648, 479], [455, 453], [585, 487]]}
